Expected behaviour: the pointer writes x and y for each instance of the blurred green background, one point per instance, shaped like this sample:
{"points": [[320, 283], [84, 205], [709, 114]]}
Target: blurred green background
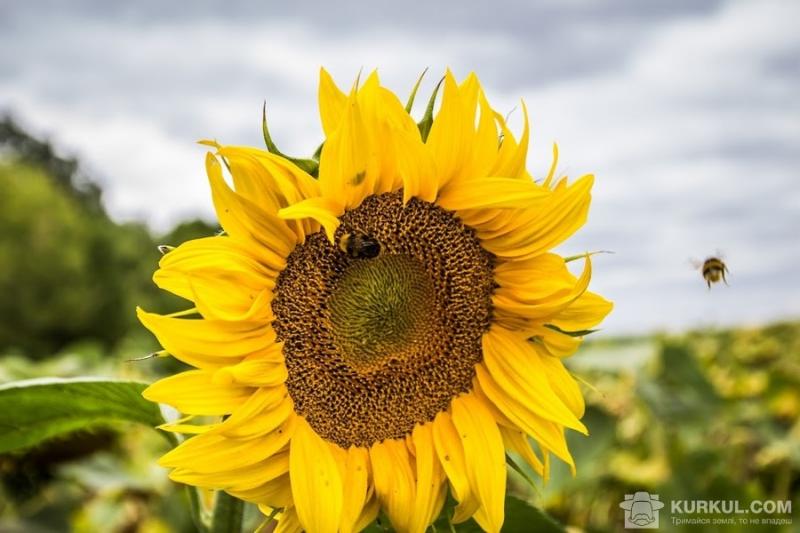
{"points": [[709, 414]]}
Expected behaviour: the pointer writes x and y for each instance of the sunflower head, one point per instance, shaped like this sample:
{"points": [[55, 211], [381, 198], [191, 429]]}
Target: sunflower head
{"points": [[379, 335]]}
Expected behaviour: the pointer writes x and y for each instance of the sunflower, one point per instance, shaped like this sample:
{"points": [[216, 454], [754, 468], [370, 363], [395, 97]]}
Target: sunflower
{"points": [[380, 335]]}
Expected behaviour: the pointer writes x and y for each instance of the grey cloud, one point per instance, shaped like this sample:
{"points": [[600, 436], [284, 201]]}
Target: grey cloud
{"points": [[685, 110]]}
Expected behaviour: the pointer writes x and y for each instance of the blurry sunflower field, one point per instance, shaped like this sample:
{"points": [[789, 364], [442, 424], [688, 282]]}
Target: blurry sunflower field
{"points": [[709, 414]]}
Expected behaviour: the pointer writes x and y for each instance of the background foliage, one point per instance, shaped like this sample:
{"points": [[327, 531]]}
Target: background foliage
{"points": [[706, 414]]}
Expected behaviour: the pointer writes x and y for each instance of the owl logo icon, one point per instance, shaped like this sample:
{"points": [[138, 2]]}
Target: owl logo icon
{"points": [[641, 510]]}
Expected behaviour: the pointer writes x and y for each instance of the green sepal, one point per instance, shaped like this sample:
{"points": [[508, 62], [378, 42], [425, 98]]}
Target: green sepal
{"points": [[318, 152], [519, 470], [579, 333], [413, 94], [571, 258], [309, 166], [426, 123]]}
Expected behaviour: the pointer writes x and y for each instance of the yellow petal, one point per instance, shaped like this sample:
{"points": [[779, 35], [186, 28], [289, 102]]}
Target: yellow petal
{"points": [[492, 192], [452, 134], [356, 482], [394, 481], [208, 343], [430, 479], [222, 253], [254, 372], [245, 221], [323, 210], [470, 90], [270, 181], [512, 156], [541, 275], [585, 312], [252, 180], [486, 141], [483, 220], [194, 392], [516, 441], [386, 119], [219, 295], [561, 381], [266, 402], [264, 422], [548, 434], [316, 483], [368, 514], [348, 165], [415, 167], [211, 452], [391, 111], [271, 176], [530, 300], [373, 110], [555, 342], [534, 231], [551, 173], [288, 521], [450, 452], [274, 493], [237, 479], [331, 103], [517, 369], [485, 457], [264, 399], [187, 429], [496, 220]]}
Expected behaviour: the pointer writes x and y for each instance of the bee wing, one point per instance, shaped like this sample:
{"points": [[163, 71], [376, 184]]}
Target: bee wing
{"points": [[695, 263]]}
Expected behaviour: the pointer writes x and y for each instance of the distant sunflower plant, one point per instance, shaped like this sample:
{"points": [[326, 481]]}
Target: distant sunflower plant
{"points": [[378, 326]]}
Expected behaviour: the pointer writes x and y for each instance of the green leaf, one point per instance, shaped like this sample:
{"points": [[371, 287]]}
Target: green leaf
{"points": [[32, 411], [522, 518], [680, 391]]}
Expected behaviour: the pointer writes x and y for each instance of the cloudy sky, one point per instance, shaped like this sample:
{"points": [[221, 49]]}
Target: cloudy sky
{"points": [[686, 111]]}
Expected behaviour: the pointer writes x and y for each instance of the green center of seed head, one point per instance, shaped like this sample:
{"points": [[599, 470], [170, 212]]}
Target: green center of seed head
{"points": [[382, 310]]}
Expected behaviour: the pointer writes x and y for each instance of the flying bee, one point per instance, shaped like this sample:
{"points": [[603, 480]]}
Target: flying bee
{"points": [[359, 246], [713, 269]]}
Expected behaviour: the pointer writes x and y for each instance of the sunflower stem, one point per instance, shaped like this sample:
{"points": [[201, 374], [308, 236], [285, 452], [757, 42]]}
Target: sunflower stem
{"points": [[194, 505], [228, 513], [450, 524]]}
